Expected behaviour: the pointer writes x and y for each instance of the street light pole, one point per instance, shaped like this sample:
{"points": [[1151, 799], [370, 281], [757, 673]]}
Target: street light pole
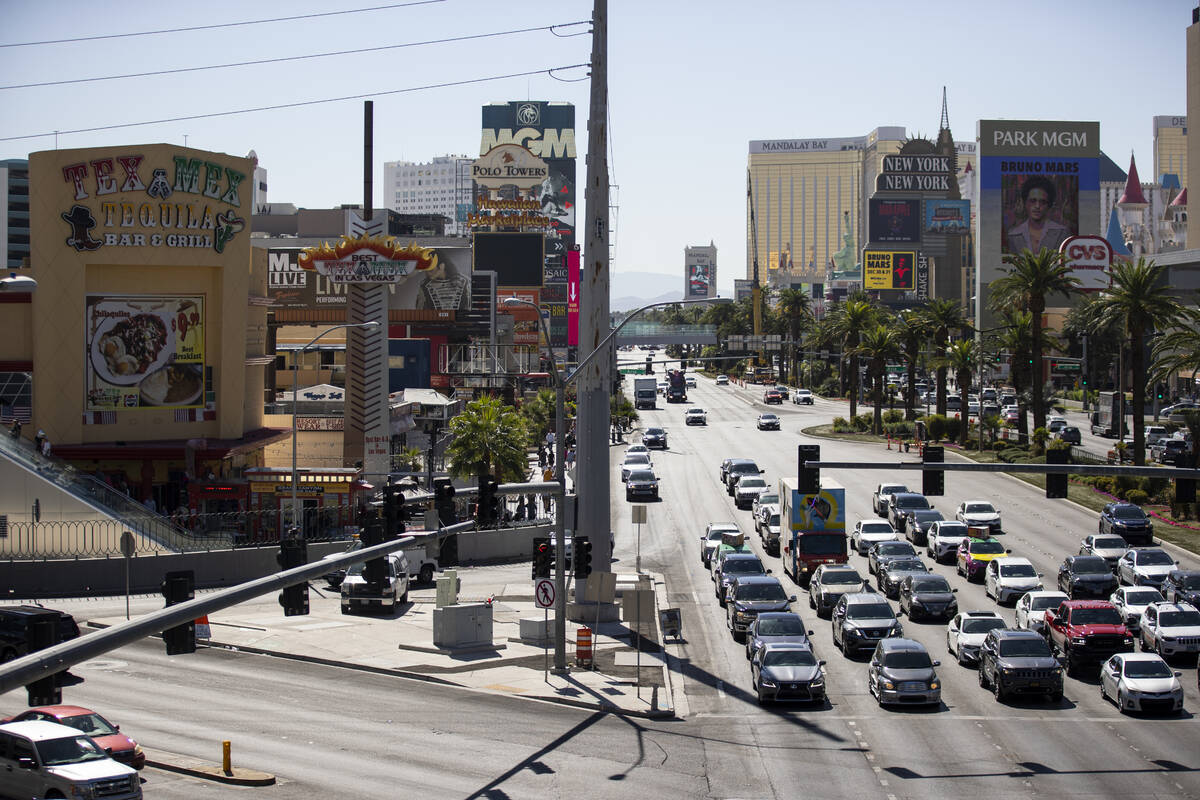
{"points": [[297, 518]]}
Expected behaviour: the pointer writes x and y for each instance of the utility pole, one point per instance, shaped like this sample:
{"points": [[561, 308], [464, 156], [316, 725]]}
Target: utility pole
{"points": [[755, 289], [593, 476]]}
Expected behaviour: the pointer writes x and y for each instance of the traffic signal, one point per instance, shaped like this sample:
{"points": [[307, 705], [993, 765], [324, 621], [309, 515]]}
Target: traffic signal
{"points": [[293, 552], [582, 556], [1085, 379], [443, 501], [488, 512], [1159, 392], [178, 587], [543, 557], [933, 481], [43, 633], [809, 481], [1056, 483], [375, 571], [1185, 488]]}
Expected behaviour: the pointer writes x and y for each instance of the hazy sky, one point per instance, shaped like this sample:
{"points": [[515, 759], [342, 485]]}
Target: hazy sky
{"points": [[690, 84]]}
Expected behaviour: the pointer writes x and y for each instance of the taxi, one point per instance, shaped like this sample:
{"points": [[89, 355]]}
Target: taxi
{"points": [[974, 555]]}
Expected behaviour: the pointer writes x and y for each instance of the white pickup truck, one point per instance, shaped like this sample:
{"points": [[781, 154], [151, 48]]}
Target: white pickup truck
{"points": [[422, 563]]}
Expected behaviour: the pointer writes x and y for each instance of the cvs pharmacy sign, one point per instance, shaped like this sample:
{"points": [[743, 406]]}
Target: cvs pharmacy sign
{"points": [[1089, 257]]}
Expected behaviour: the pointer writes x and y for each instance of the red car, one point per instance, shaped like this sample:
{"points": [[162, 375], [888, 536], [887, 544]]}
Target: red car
{"points": [[772, 396], [107, 735]]}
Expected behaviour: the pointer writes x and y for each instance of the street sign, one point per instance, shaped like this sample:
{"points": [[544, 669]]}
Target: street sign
{"points": [[639, 514], [544, 593], [1064, 366]]}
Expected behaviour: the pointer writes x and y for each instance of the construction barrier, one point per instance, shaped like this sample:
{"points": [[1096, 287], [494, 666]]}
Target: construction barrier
{"points": [[583, 647]]}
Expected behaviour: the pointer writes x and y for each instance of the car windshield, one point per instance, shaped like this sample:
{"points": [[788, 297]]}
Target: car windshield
{"points": [[751, 483], [69, 750], [841, 577], [1154, 558], [952, 529], [876, 527], [1189, 581], [641, 475], [1179, 619], [781, 626], [911, 501], [1109, 543], [869, 611], [789, 658], [742, 566], [1091, 566], [91, 724], [773, 521], [822, 544], [1147, 669], [903, 564], [987, 548], [1142, 597], [636, 458], [934, 584], [1128, 512], [907, 659], [742, 468], [982, 625], [895, 548], [767, 498], [979, 508], [695, 410], [357, 569], [892, 488], [761, 592], [1024, 648], [1044, 602], [1095, 616], [1017, 571], [718, 532], [927, 516], [768, 417]]}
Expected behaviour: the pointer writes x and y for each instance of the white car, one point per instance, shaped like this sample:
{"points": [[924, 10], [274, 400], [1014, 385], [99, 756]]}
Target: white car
{"points": [[829, 582], [1032, 607], [635, 461], [1141, 682], [966, 632], [712, 539], [802, 396], [1145, 566], [769, 529], [637, 448], [1171, 629], [1108, 546], [978, 512], [881, 499], [748, 487], [1131, 601], [358, 594], [869, 532], [770, 497], [695, 416], [943, 538], [690, 381], [1010, 577], [722, 380]]}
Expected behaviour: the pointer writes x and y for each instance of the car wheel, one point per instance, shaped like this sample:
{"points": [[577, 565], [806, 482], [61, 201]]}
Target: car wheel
{"points": [[403, 598], [1121, 701], [983, 683], [962, 662], [997, 690], [811, 604], [426, 574], [762, 701], [749, 655], [1103, 692], [345, 608]]}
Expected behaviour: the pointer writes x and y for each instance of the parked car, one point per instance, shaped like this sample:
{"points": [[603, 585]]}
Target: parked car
{"points": [[722, 380], [1127, 521], [881, 500], [787, 672], [1131, 601], [46, 759], [917, 523], [1145, 566], [1069, 434], [772, 396], [802, 397], [1010, 577], [974, 554], [733, 564], [712, 539], [1141, 682], [891, 572], [966, 631], [978, 513], [861, 620], [904, 502], [885, 551], [655, 438], [635, 461], [14, 628], [750, 595], [1019, 662], [869, 532], [768, 422], [695, 416], [1110, 547], [357, 594], [1031, 609], [1171, 629], [943, 539], [902, 672], [829, 582], [119, 746], [776, 627], [927, 596], [641, 483], [1182, 586], [746, 489], [1086, 576]]}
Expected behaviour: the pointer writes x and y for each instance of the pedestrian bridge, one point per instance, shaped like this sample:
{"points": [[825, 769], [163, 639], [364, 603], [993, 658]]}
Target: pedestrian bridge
{"points": [[636, 333]]}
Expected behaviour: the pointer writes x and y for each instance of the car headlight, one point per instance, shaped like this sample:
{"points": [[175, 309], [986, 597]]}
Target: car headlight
{"points": [[818, 683], [1165, 639], [888, 685], [1078, 640], [767, 683], [933, 684]]}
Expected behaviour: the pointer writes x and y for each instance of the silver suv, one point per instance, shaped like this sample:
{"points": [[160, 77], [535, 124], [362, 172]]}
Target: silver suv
{"points": [[46, 759]]}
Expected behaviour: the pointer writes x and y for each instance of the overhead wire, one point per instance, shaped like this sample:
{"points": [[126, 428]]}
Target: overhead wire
{"points": [[355, 51]]}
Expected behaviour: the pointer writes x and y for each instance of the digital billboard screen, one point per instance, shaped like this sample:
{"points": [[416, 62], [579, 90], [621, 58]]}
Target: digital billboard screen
{"points": [[517, 258], [1039, 203], [894, 220]]}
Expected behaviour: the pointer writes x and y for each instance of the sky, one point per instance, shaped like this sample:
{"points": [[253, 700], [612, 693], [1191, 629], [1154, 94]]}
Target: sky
{"points": [[690, 84]]}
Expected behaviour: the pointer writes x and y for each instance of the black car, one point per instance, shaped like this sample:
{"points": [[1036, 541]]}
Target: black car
{"points": [[916, 525], [14, 628], [1182, 586], [1129, 522], [884, 551], [655, 438], [904, 502], [1069, 434], [929, 596], [1086, 576], [731, 566], [1019, 662], [861, 620], [641, 483], [751, 595], [775, 627], [892, 572]]}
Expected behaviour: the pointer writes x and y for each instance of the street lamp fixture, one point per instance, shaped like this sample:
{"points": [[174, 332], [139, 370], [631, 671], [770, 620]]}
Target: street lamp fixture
{"points": [[560, 386], [298, 518]]}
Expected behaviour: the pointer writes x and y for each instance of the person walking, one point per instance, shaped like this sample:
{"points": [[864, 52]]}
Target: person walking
{"points": [[15, 430], [37, 440]]}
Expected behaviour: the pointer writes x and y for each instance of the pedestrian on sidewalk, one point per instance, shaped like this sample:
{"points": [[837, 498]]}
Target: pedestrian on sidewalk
{"points": [[15, 430], [45, 447], [37, 440]]}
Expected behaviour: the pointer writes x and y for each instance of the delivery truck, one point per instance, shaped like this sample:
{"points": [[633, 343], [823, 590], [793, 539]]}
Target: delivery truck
{"points": [[645, 393], [812, 528], [1106, 414]]}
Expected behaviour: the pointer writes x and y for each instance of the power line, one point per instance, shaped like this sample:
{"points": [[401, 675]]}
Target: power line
{"points": [[222, 25], [445, 85], [355, 51]]}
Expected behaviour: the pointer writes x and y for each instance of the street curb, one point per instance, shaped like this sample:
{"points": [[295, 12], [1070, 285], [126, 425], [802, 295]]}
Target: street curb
{"points": [[212, 772]]}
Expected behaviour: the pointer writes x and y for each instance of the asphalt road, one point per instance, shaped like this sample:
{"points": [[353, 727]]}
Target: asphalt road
{"points": [[971, 744]]}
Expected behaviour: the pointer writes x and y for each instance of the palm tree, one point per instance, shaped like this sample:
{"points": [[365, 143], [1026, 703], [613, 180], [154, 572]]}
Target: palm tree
{"points": [[912, 331], [1178, 350], [852, 318], [489, 439], [1140, 301], [1028, 281], [1016, 339], [960, 357], [878, 344], [944, 317], [796, 308]]}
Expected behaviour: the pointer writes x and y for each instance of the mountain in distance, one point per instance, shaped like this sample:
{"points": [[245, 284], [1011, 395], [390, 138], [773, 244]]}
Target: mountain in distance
{"points": [[630, 290]]}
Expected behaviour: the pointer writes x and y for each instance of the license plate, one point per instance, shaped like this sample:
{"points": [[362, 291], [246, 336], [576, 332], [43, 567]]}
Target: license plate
{"points": [[1035, 684]]}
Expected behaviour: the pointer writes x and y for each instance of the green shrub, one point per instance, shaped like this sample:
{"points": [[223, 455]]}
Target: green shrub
{"points": [[840, 425], [899, 429], [1123, 484], [893, 415], [1137, 497], [1058, 444], [935, 427], [830, 387], [1104, 484], [863, 422], [1011, 454], [1154, 487]]}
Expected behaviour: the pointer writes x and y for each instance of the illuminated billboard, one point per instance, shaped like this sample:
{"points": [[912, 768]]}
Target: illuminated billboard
{"points": [[699, 279], [889, 269], [947, 216], [894, 220]]}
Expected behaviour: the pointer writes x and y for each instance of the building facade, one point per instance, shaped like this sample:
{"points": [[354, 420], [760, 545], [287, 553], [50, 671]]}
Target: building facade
{"points": [[14, 211], [1170, 147], [441, 186]]}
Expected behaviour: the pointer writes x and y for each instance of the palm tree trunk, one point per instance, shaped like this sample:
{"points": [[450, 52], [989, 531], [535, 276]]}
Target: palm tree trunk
{"points": [[1037, 306], [941, 383], [877, 376], [910, 400], [964, 389], [1137, 357], [853, 385]]}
